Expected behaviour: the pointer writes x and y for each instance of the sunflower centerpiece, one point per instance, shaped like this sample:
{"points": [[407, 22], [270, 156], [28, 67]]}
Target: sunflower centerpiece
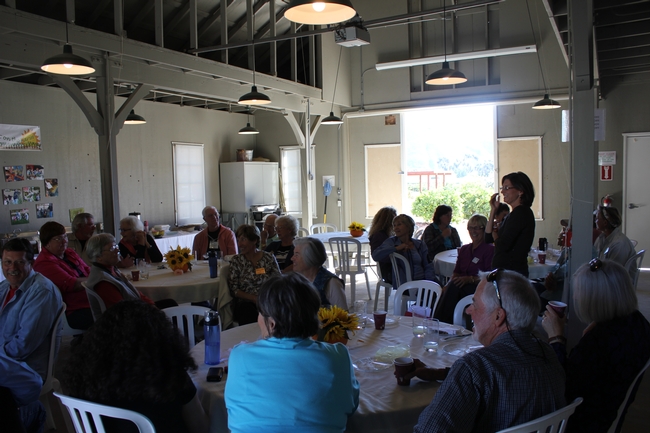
{"points": [[179, 260], [356, 229], [335, 324]]}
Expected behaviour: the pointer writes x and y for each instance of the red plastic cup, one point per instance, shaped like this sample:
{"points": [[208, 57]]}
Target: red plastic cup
{"points": [[135, 275], [403, 366], [558, 307], [542, 258], [380, 319]]}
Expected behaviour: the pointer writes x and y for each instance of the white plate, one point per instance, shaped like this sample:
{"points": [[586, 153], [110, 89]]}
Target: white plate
{"points": [[369, 364], [387, 354], [461, 348]]}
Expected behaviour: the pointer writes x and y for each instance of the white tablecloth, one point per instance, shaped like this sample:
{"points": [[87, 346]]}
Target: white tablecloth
{"points": [[192, 286], [445, 262], [174, 239], [383, 407]]}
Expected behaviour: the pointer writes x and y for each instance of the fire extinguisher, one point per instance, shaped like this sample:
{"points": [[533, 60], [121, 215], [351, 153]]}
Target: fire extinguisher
{"points": [[606, 201]]}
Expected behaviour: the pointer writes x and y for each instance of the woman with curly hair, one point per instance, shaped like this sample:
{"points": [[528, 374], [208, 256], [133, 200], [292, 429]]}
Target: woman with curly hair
{"points": [[133, 358], [380, 230], [287, 382]]}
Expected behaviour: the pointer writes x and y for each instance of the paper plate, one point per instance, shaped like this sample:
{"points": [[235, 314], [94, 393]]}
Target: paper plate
{"points": [[388, 354], [461, 348], [370, 364]]}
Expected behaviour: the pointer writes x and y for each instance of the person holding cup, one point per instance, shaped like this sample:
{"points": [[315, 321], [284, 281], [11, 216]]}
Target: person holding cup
{"points": [[514, 379], [286, 381], [440, 236], [613, 348]]}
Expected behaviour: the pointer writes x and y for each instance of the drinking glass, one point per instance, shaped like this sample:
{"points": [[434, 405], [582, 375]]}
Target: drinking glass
{"points": [[432, 335], [418, 326], [143, 267], [360, 311]]}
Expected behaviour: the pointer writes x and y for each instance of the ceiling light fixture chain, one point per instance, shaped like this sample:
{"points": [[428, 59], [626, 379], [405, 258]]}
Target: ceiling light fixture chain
{"points": [[445, 76], [332, 119], [546, 103]]}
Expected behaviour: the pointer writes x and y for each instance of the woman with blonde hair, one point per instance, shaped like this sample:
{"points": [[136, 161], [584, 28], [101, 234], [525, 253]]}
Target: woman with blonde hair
{"points": [[380, 230]]}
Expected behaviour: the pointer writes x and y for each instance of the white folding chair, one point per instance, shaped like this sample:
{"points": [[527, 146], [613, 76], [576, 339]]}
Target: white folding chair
{"points": [[554, 422], [387, 289], [633, 266], [424, 298], [86, 415], [68, 330], [323, 228], [51, 383], [396, 258], [349, 255], [182, 317], [97, 305], [621, 408], [460, 310], [303, 232]]}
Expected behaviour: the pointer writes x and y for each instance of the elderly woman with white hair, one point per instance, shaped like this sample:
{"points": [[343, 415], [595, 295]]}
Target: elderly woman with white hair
{"points": [[308, 257], [106, 280], [612, 244], [136, 244], [286, 228], [613, 349]]}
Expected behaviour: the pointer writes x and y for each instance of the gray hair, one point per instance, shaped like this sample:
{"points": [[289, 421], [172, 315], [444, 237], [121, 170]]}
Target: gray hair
{"points": [[80, 218], [290, 222], [314, 254], [477, 219], [603, 294], [95, 245], [205, 209], [520, 301], [132, 223]]}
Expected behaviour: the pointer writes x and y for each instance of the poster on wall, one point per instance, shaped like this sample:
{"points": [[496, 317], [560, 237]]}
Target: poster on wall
{"points": [[45, 210], [31, 193], [19, 216], [74, 212], [14, 173], [20, 137], [51, 187], [12, 196], [35, 172]]}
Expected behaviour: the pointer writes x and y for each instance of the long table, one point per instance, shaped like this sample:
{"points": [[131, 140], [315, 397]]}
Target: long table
{"points": [[383, 405]]}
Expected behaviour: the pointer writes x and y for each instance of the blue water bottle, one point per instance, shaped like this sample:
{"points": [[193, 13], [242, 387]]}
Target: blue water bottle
{"points": [[212, 333], [212, 262]]}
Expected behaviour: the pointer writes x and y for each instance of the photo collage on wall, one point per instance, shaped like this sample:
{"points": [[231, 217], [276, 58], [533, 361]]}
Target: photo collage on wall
{"points": [[23, 195]]}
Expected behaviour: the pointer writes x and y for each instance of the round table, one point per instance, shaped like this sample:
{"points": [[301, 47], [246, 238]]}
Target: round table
{"points": [[445, 262], [383, 405], [193, 286]]}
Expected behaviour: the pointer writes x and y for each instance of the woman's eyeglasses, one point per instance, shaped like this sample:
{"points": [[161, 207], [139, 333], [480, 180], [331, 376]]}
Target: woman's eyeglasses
{"points": [[595, 264], [492, 278], [506, 188]]}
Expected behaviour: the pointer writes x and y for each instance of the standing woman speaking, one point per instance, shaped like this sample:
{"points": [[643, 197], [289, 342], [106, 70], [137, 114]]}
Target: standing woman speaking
{"points": [[517, 230]]}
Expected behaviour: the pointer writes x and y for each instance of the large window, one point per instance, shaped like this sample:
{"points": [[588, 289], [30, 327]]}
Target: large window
{"points": [[189, 182], [292, 176]]}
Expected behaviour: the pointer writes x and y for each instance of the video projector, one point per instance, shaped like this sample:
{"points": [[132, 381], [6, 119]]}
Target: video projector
{"points": [[352, 36]]}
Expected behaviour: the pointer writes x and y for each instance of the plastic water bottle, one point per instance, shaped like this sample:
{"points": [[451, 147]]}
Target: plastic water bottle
{"points": [[212, 262], [212, 333]]}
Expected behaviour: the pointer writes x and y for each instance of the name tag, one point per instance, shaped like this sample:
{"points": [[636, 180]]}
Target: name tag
{"points": [[214, 245], [475, 260], [260, 271]]}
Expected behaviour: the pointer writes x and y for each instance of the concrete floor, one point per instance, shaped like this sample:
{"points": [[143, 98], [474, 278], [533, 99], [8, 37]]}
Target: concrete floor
{"points": [[638, 416]]}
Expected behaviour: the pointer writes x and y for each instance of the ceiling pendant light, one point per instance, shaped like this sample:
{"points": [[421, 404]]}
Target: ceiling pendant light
{"points": [[67, 63], [332, 119], [254, 97], [319, 12], [547, 103], [445, 76], [134, 119], [248, 129]]}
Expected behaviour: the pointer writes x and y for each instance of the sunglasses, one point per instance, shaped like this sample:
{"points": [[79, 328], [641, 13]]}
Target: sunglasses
{"points": [[595, 264], [492, 278]]}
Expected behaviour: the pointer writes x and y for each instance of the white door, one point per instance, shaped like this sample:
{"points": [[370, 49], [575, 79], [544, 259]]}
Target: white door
{"points": [[636, 194]]}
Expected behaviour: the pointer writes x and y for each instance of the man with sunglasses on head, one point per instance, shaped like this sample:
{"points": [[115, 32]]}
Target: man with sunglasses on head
{"points": [[514, 379]]}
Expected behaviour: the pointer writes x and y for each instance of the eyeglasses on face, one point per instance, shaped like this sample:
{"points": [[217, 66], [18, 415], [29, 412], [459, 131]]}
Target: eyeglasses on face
{"points": [[113, 248], [60, 239], [595, 264], [506, 187], [492, 278]]}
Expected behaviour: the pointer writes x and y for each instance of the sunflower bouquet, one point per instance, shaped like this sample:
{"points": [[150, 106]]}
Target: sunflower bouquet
{"points": [[335, 324], [179, 259], [356, 226]]}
